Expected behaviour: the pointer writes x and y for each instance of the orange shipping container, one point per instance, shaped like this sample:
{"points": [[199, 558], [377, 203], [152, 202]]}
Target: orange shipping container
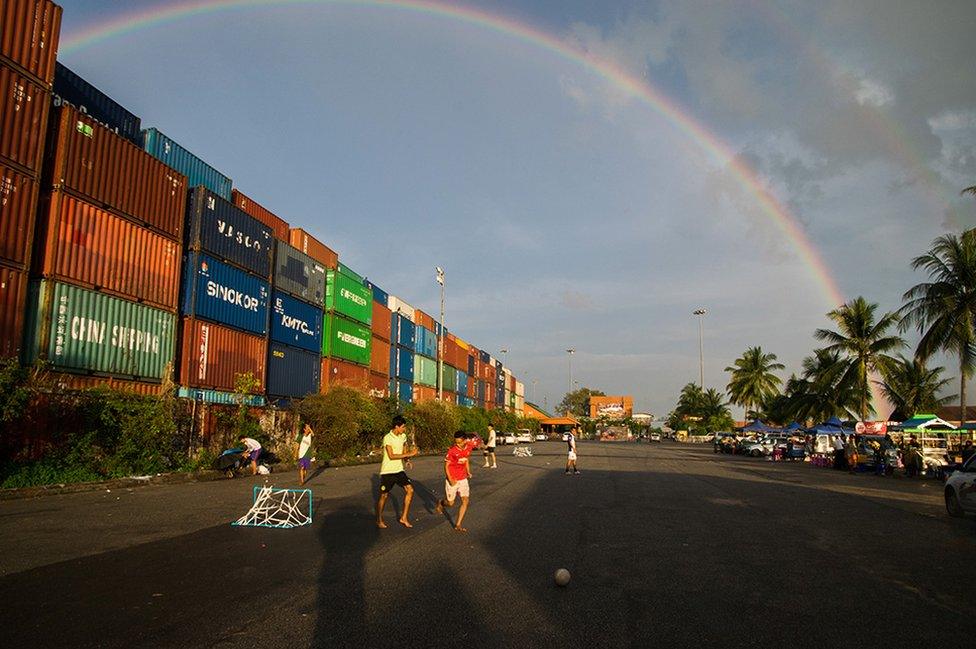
{"points": [[424, 320], [18, 211], [13, 299], [23, 119], [29, 32], [379, 356], [93, 162], [423, 393], [262, 214], [211, 356], [379, 385], [313, 248], [382, 322], [336, 372], [85, 245]]}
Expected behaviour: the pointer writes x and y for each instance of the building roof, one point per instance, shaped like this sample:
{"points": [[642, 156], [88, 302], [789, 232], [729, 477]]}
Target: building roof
{"points": [[559, 421]]}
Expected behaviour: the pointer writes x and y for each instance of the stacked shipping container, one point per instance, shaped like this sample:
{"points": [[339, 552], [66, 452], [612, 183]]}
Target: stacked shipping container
{"points": [[347, 343], [29, 32]]}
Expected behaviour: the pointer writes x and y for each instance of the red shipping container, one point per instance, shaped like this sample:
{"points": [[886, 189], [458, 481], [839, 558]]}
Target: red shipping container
{"points": [[18, 212], [211, 356], [13, 301], [336, 372], [24, 106], [425, 320], [472, 388], [379, 357], [313, 248], [90, 247], [79, 382], [511, 383], [379, 385], [111, 172], [262, 214], [382, 322], [29, 33], [423, 393]]}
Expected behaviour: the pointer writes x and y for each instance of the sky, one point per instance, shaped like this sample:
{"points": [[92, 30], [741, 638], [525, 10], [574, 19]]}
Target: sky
{"points": [[590, 175]]}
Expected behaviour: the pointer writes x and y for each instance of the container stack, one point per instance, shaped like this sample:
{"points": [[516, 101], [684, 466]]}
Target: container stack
{"points": [[381, 350], [347, 343], [295, 349], [226, 296], [29, 32], [403, 332], [519, 398], [425, 359], [106, 269]]}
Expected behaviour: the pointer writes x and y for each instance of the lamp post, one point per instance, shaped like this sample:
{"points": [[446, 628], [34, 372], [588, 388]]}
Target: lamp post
{"points": [[534, 383], [570, 352], [440, 339], [701, 349]]}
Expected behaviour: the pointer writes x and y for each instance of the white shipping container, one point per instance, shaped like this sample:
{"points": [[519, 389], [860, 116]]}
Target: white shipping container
{"points": [[520, 389], [396, 305]]}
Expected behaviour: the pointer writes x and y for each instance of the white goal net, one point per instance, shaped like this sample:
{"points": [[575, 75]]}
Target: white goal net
{"points": [[280, 508]]}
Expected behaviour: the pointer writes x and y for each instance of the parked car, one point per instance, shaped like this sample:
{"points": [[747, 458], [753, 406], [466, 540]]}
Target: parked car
{"points": [[524, 437], [509, 438], [764, 445], [960, 490], [655, 437], [540, 437]]}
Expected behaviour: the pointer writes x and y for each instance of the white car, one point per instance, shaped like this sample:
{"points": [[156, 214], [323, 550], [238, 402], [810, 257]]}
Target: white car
{"points": [[540, 437], [525, 438], [508, 438], [960, 490], [655, 437]]}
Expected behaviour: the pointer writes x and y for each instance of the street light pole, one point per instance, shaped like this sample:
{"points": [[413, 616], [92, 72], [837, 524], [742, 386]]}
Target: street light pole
{"points": [[440, 339], [570, 352], [701, 349]]}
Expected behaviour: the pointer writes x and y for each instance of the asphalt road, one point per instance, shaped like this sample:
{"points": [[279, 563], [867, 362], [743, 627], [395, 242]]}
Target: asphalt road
{"points": [[668, 545]]}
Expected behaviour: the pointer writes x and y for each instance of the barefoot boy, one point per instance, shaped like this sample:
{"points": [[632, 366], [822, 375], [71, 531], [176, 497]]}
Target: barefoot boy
{"points": [[392, 473]]}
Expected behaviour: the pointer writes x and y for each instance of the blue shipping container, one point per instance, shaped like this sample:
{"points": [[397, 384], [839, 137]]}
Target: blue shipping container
{"points": [[295, 323], [215, 396], [379, 295], [481, 391], [402, 390], [72, 90], [500, 396], [401, 363], [292, 372], [197, 171], [461, 386], [403, 332], [467, 402], [425, 342], [216, 226], [485, 357], [223, 294]]}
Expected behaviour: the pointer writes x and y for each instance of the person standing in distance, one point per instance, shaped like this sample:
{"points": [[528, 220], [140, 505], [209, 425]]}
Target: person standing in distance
{"points": [[490, 448], [305, 452], [392, 473], [571, 457]]}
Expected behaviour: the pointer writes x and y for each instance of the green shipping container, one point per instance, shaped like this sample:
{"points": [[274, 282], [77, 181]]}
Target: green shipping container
{"points": [[449, 378], [86, 331], [346, 296], [348, 272], [424, 371], [346, 339]]}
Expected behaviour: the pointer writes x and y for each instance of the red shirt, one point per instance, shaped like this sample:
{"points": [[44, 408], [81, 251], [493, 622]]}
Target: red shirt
{"points": [[457, 469]]}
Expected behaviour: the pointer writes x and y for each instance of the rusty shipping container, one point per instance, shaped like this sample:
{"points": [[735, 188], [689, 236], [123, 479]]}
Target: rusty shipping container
{"points": [[83, 382], [91, 161], [211, 356], [24, 107], [382, 322], [82, 244], [314, 248], [379, 357], [13, 301], [336, 372], [424, 320], [277, 224], [379, 385], [29, 33], [18, 214]]}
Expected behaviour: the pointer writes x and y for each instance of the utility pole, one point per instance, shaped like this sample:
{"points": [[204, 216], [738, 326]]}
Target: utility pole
{"points": [[440, 339], [701, 349]]}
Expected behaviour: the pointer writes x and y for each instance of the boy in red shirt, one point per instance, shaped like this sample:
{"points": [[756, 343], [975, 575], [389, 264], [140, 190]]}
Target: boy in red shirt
{"points": [[456, 473]]}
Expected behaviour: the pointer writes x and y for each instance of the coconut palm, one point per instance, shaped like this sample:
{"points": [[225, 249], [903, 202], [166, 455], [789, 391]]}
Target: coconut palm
{"points": [[824, 390], [864, 342], [753, 382], [943, 310], [912, 387]]}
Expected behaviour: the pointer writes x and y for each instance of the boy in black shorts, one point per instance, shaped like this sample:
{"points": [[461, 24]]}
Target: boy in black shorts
{"points": [[392, 473]]}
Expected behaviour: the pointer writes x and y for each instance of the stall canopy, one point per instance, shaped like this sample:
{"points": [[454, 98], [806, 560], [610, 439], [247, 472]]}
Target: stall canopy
{"points": [[758, 427], [929, 423], [792, 428], [832, 426]]}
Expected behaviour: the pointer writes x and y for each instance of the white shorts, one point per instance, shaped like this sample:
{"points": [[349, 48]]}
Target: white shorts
{"points": [[460, 488], [572, 456]]}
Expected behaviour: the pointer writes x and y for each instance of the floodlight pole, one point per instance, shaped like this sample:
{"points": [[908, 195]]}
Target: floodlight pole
{"points": [[701, 348], [440, 339]]}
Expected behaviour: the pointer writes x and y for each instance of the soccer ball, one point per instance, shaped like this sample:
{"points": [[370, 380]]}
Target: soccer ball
{"points": [[562, 577]]}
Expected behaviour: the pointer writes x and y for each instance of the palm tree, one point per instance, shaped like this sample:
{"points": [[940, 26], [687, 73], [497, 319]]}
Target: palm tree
{"points": [[753, 382], [943, 310], [864, 342], [824, 390], [912, 387]]}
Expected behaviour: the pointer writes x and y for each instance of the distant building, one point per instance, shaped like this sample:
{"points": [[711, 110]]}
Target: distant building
{"points": [[613, 407], [644, 418], [534, 412]]}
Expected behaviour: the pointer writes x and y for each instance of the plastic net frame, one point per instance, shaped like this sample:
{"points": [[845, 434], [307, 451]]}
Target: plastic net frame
{"points": [[278, 508], [522, 451]]}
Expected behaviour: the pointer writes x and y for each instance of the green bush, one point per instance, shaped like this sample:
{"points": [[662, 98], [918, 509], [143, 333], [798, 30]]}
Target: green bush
{"points": [[434, 424], [345, 421]]}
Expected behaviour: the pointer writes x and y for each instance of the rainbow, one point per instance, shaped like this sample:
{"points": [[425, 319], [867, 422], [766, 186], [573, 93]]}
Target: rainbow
{"points": [[632, 86]]}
